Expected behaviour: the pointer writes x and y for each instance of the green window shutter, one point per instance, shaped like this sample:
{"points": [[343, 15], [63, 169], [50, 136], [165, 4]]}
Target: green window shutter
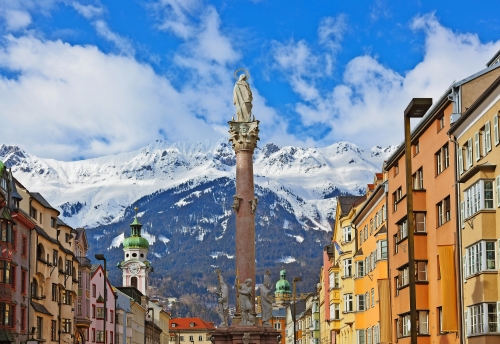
{"points": [[460, 160], [487, 133], [477, 145], [495, 130]]}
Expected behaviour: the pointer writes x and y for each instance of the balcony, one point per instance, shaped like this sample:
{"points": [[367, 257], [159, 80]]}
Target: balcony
{"points": [[84, 262]]}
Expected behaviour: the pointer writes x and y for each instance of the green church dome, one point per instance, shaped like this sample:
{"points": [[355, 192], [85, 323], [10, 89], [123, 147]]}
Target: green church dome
{"points": [[283, 286], [135, 242]]}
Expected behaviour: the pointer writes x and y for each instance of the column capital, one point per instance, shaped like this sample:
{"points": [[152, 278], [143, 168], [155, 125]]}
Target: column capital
{"points": [[244, 135]]}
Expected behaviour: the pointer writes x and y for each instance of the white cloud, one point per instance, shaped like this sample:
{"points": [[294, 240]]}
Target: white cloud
{"points": [[88, 11], [121, 43], [367, 106], [177, 16], [16, 20]]}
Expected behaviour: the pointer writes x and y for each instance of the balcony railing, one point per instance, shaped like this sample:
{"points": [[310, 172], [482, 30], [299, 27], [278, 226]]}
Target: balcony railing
{"points": [[84, 261]]}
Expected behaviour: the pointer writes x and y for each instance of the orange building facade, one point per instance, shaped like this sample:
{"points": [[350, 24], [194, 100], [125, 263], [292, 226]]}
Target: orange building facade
{"points": [[370, 260]]}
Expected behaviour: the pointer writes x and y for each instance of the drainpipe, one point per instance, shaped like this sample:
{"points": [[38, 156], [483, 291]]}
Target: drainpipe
{"points": [[459, 245]]}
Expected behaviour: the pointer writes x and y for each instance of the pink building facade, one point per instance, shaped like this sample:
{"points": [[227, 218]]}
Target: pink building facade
{"points": [[102, 327]]}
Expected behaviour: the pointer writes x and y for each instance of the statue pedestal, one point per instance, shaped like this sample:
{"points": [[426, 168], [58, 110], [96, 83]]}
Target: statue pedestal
{"points": [[240, 334]]}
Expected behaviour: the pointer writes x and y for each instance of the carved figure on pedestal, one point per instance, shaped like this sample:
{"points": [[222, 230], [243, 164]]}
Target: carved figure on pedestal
{"points": [[245, 299], [242, 98], [253, 204], [236, 203], [223, 309], [266, 301]]}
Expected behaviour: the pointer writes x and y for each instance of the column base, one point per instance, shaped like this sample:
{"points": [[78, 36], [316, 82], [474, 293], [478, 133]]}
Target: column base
{"points": [[240, 334]]}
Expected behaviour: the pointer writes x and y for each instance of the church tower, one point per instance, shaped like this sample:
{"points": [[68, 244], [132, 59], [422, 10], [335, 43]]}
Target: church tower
{"points": [[135, 266]]}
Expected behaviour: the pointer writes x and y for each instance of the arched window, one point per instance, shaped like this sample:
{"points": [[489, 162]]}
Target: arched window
{"points": [[40, 252], [34, 288], [133, 281]]}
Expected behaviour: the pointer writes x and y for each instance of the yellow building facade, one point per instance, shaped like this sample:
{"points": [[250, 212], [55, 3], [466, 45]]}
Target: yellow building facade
{"points": [[342, 296], [477, 136]]}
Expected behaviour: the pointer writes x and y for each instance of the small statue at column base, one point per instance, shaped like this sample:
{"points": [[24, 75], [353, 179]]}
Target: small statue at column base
{"points": [[266, 301], [222, 308], [236, 203], [245, 300], [253, 204]]}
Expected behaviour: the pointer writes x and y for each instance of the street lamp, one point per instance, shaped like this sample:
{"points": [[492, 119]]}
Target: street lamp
{"points": [[295, 280], [416, 109], [101, 257]]}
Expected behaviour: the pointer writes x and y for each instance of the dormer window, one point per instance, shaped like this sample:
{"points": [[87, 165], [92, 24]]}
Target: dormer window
{"points": [[174, 324], [191, 324]]}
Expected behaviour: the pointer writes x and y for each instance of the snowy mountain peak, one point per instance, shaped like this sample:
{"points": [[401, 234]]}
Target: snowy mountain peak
{"points": [[97, 191]]}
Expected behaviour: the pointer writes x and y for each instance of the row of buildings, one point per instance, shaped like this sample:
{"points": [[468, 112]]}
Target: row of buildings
{"points": [[447, 260], [50, 291]]}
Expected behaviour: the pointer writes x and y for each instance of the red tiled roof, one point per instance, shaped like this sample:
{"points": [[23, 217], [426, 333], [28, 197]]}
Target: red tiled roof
{"points": [[185, 324], [379, 175], [371, 186]]}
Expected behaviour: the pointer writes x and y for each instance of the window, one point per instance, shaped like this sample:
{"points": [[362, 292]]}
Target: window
{"points": [[423, 322], [111, 317], [360, 302], [419, 222], [480, 257], [360, 268], [277, 325], [402, 230], [5, 314], [373, 297], [335, 311], [477, 197], [53, 330], [79, 279], [383, 212], [348, 267], [418, 179], [403, 326], [347, 233], [93, 334], [93, 312], [41, 217], [396, 169], [421, 269], [53, 222], [200, 338], [468, 154], [69, 267], [360, 238], [100, 312], [442, 158], [396, 243], [360, 335], [110, 337], [23, 319], [396, 197], [443, 211], [440, 122], [100, 336], [369, 336], [191, 338], [348, 303], [66, 326], [5, 268], [381, 249], [376, 339], [33, 213], [93, 290], [371, 226], [39, 327], [486, 138], [25, 246], [460, 154], [334, 280], [416, 148], [79, 306], [54, 292], [402, 278]]}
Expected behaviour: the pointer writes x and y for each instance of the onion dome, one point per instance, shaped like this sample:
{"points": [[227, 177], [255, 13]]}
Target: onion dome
{"points": [[283, 286], [135, 240]]}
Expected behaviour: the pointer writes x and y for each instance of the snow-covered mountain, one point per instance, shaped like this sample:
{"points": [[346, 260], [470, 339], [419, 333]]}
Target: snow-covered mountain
{"points": [[97, 191]]}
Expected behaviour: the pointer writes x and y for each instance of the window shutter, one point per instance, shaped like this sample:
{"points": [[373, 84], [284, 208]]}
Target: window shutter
{"points": [[469, 153], [498, 315], [464, 265], [498, 191], [487, 132], [462, 214], [495, 130], [460, 160], [467, 322], [477, 146], [379, 250]]}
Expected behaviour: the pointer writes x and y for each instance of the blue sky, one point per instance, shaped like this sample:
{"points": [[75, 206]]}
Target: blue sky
{"points": [[81, 79]]}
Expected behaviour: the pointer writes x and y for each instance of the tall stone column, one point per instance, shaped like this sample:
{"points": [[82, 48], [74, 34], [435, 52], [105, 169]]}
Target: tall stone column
{"points": [[244, 137]]}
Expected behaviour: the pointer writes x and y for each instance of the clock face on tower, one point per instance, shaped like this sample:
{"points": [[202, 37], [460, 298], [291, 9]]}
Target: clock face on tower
{"points": [[134, 268]]}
